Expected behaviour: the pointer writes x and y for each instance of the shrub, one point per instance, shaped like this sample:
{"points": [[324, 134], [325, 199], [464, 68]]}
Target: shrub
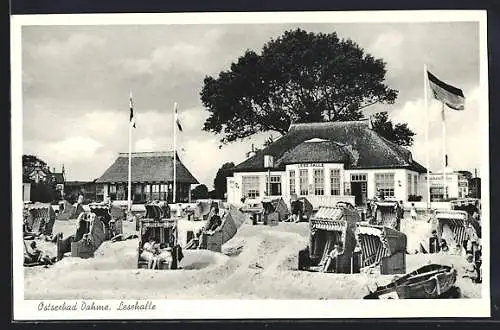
{"points": [[414, 198]]}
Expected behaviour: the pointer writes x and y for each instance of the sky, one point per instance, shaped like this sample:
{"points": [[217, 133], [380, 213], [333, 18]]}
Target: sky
{"points": [[77, 79]]}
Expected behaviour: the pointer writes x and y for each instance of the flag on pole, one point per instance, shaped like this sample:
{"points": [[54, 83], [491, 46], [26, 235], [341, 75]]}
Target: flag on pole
{"points": [[451, 96], [132, 119], [177, 121]]}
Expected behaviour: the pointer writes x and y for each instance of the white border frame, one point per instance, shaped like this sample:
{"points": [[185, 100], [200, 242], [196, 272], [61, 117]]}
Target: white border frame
{"points": [[256, 309]]}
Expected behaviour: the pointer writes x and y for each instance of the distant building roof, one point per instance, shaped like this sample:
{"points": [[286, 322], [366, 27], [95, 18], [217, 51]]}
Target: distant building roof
{"points": [[147, 167], [352, 143]]}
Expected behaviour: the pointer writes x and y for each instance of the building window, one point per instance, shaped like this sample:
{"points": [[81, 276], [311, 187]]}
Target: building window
{"points": [[409, 190], [385, 182], [360, 177], [137, 193], [347, 188], [291, 174], [147, 192], [99, 192], [319, 182], [275, 185], [112, 192], [163, 192], [121, 193], [155, 192], [415, 185], [335, 182], [437, 193], [304, 182], [250, 185]]}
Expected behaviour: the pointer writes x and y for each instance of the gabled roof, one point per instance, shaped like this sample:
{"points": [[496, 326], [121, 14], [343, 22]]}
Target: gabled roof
{"points": [[364, 147], [147, 167]]}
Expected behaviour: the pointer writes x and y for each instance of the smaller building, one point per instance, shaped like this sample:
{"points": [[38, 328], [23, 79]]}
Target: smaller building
{"points": [[457, 185], [39, 182], [152, 178]]}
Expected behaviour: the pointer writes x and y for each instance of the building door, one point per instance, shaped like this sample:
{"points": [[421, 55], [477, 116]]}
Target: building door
{"points": [[359, 189]]}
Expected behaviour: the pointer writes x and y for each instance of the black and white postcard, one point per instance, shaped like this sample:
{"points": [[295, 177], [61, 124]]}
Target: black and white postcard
{"points": [[250, 165]]}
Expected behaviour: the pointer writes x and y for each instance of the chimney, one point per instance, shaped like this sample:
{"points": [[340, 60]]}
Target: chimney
{"points": [[475, 172], [54, 170]]}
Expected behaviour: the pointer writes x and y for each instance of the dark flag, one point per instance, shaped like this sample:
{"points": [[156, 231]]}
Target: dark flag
{"points": [[177, 121], [451, 96], [132, 119]]}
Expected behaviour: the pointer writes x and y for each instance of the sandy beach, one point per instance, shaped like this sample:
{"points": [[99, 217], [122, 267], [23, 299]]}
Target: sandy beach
{"points": [[257, 263]]}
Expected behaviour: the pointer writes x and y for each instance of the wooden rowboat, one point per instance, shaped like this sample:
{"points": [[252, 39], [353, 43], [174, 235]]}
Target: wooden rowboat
{"points": [[427, 282]]}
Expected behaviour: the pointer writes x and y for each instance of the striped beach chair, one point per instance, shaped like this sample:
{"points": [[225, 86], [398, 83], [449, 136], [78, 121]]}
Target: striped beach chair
{"points": [[456, 220], [382, 246]]}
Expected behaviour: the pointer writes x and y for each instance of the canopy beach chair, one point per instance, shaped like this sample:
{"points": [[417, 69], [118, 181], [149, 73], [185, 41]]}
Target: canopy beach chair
{"points": [[382, 246], [330, 226]]}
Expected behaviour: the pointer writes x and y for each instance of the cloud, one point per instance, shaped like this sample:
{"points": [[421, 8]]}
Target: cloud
{"points": [[389, 46], [69, 149], [76, 44], [76, 81], [180, 55]]}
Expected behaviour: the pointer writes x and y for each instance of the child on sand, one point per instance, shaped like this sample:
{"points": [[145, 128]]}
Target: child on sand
{"points": [[470, 270]]}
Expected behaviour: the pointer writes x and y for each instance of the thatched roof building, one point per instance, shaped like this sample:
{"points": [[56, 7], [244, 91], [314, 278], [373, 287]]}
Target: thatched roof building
{"points": [[152, 177], [328, 162]]}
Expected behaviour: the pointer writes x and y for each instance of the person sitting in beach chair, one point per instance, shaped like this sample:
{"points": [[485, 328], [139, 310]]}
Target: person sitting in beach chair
{"points": [[381, 195], [165, 256], [331, 260], [38, 256], [149, 252], [296, 206], [215, 221]]}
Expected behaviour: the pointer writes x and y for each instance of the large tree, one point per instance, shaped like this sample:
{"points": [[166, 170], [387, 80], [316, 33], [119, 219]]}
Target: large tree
{"points": [[220, 185], [298, 77]]}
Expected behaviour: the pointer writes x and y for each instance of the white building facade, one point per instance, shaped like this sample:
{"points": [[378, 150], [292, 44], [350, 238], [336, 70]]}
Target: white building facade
{"points": [[457, 185], [325, 184]]}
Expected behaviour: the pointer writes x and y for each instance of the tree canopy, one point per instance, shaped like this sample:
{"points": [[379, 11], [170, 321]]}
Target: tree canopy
{"points": [[398, 133], [220, 186], [298, 77], [199, 192]]}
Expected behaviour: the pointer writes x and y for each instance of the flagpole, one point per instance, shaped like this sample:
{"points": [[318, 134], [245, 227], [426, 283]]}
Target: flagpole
{"points": [[427, 139], [175, 153], [443, 132], [130, 163]]}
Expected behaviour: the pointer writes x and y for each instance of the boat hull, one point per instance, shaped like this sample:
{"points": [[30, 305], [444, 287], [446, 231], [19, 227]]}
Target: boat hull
{"points": [[428, 282]]}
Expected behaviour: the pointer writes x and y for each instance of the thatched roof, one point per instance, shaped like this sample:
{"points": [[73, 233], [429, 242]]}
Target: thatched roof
{"points": [[352, 143], [147, 167], [317, 151]]}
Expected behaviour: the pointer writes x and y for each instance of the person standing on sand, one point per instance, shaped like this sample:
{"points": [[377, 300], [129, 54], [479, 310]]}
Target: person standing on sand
{"points": [[413, 212]]}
